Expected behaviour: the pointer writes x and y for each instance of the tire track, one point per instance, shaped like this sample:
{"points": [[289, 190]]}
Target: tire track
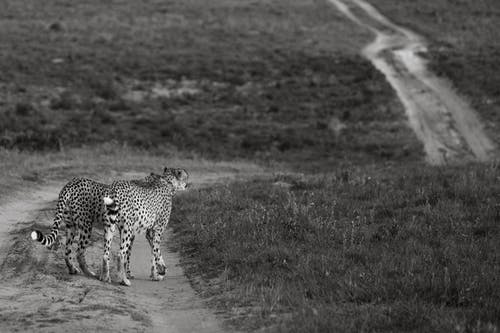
{"points": [[447, 126]]}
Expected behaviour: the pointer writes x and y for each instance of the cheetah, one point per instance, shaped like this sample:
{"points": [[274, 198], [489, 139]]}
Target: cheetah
{"points": [[136, 207], [79, 206]]}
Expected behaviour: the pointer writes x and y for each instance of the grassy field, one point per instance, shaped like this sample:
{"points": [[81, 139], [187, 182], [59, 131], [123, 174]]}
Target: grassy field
{"points": [[368, 238], [380, 249], [272, 81], [464, 47]]}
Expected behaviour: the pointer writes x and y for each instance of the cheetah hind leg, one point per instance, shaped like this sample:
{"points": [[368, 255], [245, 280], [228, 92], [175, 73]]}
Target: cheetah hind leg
{"points": [[69, 254], [109, 229], [80, 256], [127, 265], [72, 269], [122, 257], [83, 265]]}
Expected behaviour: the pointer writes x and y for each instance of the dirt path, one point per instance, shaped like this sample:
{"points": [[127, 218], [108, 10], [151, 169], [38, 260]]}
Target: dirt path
{"points": [[37, 294], [448, 127]]}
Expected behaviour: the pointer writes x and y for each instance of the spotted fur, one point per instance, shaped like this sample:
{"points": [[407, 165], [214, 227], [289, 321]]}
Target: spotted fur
{"points": [[136, 207], [79, 206]]}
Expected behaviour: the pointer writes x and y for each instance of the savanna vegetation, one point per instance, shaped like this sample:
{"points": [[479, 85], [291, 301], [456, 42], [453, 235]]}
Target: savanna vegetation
{"points": [[272, 81], [368, 238], [379, 249]]}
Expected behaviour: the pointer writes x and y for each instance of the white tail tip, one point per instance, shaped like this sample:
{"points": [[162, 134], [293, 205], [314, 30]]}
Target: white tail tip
{"points": [[108, 201], [33, 235]]}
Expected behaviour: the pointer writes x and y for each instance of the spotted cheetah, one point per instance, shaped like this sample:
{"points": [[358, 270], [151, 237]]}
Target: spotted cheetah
{"points": [[135, 207], [79, 206]]}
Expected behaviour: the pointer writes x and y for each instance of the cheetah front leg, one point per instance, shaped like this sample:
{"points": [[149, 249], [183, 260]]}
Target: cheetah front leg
{"points": [[156, 257], [109, 230]]}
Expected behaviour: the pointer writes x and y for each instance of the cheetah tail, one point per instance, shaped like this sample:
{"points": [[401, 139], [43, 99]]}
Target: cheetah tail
{"points": [[111, 209], [46, 240], [49, 239]]}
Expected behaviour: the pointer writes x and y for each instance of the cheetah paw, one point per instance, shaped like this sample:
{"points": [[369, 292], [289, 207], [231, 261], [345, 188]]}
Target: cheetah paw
{"points": [[105, 278], [162, 269], [91, 274], [125, 282], [74, 270], [157, 277]]}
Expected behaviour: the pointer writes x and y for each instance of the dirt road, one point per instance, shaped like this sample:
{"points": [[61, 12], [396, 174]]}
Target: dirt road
{"points": [[37, 294], [448, 127]]}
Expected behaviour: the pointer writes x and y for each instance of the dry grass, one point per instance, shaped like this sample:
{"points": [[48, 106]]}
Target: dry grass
{"points": [[382, 249]]}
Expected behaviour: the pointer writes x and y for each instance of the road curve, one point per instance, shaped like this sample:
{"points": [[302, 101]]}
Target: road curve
{"points": [[446, 125]]}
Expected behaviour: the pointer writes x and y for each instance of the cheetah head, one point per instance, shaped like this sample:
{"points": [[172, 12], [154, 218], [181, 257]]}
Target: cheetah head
{"points": [[177, 177]]}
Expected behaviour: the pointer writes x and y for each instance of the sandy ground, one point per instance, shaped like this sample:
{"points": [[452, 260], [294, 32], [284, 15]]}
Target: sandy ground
{"points": [[445, 123], [38, 295]]}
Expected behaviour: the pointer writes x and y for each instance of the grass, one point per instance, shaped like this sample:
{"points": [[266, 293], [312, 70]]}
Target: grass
{"points": [[270, 81], [464, 47], [380, 249], [368, 239]]}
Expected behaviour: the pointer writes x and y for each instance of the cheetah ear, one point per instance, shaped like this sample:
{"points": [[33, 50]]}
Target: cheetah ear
{"points": [[181, 174]]}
